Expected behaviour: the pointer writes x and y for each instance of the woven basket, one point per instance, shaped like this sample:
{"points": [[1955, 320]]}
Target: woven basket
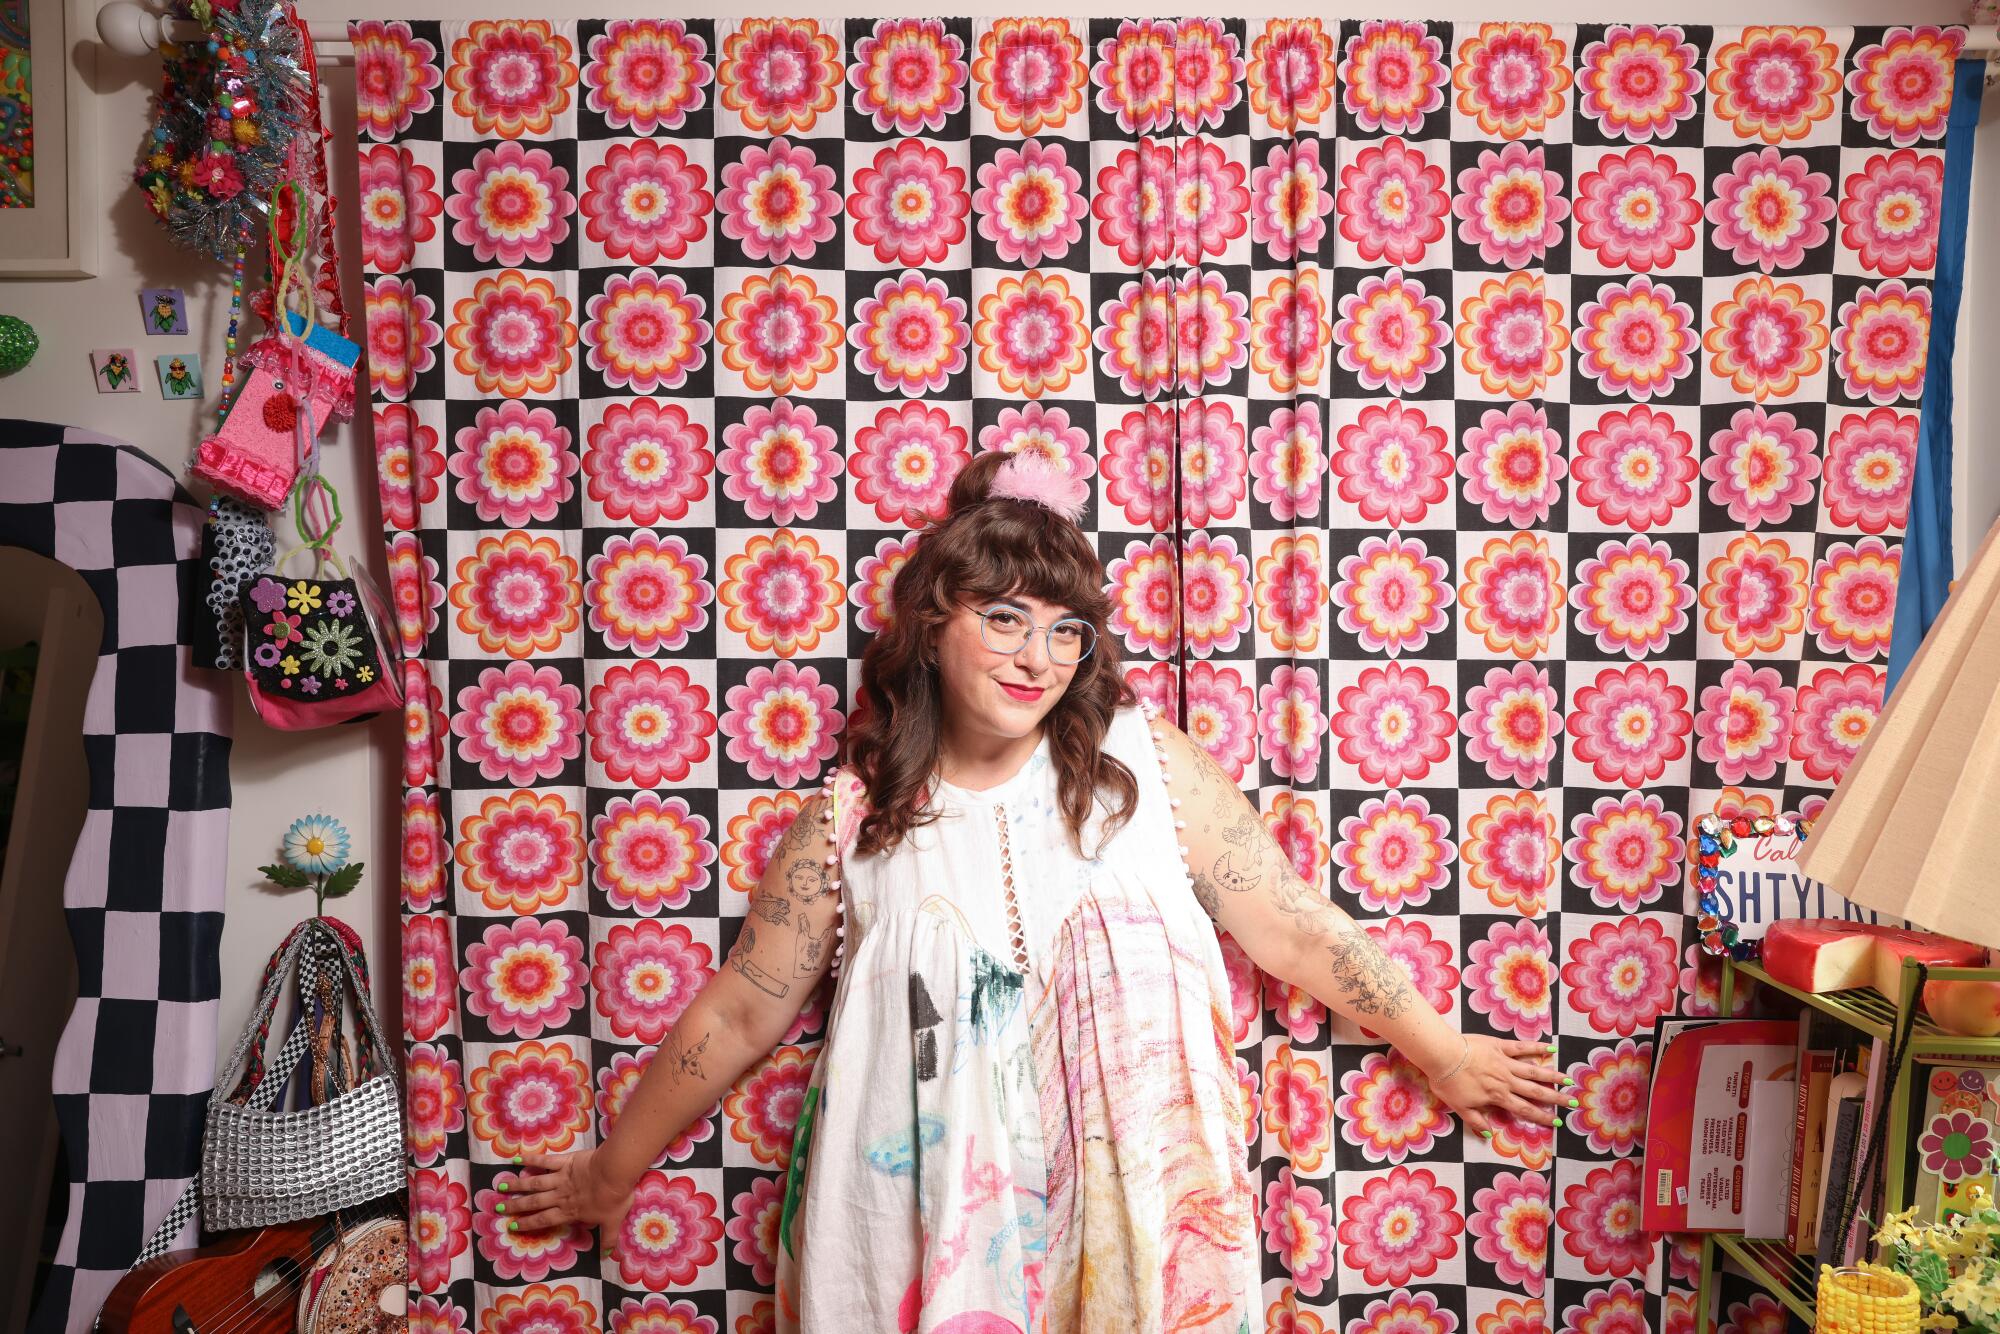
{"points": [[1866, 1301], [263, 1167]]}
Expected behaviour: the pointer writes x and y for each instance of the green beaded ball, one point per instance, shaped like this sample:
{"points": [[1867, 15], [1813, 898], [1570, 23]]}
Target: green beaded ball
{"points": [[18, 341]]}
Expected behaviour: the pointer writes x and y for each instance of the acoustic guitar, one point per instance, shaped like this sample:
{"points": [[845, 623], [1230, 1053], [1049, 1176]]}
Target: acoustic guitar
{"points": [[312, 1276]]}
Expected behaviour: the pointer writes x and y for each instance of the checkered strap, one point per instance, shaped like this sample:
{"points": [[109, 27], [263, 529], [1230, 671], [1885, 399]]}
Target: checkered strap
{"points": [[264, 1087]]}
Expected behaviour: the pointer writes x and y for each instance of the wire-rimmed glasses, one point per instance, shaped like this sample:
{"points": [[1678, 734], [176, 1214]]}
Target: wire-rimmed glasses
{"points": [[1006, 629]]}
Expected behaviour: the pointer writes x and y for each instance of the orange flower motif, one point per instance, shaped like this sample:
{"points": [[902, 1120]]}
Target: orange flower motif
{"points": [[1754, 595], [1511, 852], [779, 75], [779, 333], [1298, 1108], [782, 593], [1029, 74], [518, 594], [1291, 592], [511, 78], [1032, 334], [1775, 84], [1291, 73], [1512, 1317], [1511, 78], [1289, 332], [1512, 336], [749, 838], [513, 335], [1512, 595], [1766, 338], [522, 853]]}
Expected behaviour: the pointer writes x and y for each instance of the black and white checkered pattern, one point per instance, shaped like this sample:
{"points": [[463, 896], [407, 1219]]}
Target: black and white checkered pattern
{"points": [[144, 894]]}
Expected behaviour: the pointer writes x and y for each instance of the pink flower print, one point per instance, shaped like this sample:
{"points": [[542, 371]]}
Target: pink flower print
{"points": [[649, 724], [524, 977], [1212, 462], [1870, 464], [1507, 978], [1614, 1088], [1398, 1228], [1626, 851], [1599, 1220], [519, 723], [644, 974], [1291, 721], [783, 723], [1220, 716], [1761, 467], [1029, 203], [905, 462], [1510, 206], [511, 206], [429, 979], [1509, 1223], [1889, 212], [909, 206], [1836, 711], [1298, 1229], [1744, 726], [1620, 976], [1394, 725], [1387, 1109], [1393, 595], [669, 1235], [514, 464], [780, 462], [1288, 462], [1393, 464], [1392, 202], [1391, 333], [1635, 468], [1511, 723], [1394, 853], [1138, 463], [647, 462], [1289, 200], [1637, 210], [778, 202], [1634, 596], [646, 202], [1769, 210], [1513, 466], [1133, 204]]}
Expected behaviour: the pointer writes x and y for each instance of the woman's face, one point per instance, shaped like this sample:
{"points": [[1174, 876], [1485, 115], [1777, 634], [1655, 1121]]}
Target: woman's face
{"points": [[991, 691]]}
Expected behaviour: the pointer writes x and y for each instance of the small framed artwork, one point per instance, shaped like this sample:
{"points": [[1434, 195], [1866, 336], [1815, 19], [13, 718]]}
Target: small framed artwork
{"points": [[116, 370], [180, 375], [164, 309], [1747, 876], [49, 209]]}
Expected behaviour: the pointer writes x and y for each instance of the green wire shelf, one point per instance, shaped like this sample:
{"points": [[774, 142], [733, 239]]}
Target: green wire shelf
{"points": [[1794, 1279]]}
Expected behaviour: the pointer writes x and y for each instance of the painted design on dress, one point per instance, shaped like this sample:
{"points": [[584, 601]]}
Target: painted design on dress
{"points": [[895, 1154]]}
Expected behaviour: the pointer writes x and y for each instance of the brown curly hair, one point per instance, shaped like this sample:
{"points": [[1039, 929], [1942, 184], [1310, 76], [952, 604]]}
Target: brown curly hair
{"points": [[985, 547]]}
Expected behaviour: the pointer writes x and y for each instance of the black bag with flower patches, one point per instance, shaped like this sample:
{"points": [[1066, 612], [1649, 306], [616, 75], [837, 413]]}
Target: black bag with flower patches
{"points": [[315, 650]]}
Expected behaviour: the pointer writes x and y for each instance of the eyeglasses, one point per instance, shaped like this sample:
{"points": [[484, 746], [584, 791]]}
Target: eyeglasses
{"points": [[1008, 630]]}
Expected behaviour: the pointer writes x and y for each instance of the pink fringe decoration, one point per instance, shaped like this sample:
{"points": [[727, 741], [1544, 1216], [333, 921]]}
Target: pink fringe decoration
{"points": [[1031, 476]]}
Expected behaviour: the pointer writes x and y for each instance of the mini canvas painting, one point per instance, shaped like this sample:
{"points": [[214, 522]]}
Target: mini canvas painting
{"points": [[180, 375], [164, 310], [116, 370]]}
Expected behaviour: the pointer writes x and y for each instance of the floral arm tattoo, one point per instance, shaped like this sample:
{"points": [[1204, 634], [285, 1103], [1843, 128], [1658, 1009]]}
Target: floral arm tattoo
{"points": [[1251, 871]]}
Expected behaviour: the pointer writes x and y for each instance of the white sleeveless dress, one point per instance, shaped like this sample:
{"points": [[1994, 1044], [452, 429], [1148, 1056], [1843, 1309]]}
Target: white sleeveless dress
{"points": [[986, 1148]]}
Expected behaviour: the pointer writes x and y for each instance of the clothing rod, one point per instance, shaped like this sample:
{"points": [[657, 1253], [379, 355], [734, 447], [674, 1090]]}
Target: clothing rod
{"points": [[134, 31]]}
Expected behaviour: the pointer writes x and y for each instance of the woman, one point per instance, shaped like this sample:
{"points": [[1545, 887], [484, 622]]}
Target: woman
{"points": [[1026, 1116]]}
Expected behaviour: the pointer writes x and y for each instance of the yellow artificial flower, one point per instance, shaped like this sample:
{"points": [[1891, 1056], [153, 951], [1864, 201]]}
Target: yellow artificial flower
{"points": [[289, 664], [364, 674], [246, 131], [303, 597]]}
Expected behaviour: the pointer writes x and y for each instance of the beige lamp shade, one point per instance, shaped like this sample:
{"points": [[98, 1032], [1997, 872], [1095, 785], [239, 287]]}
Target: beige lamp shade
{"points": [[1913, 829]]}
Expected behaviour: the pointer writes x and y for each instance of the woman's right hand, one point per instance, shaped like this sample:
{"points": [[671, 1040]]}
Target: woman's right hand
{"points": [[567, 1188]]}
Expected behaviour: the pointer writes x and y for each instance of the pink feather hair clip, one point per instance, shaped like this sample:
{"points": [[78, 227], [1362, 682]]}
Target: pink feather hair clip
{"points": [[1032, 476]]}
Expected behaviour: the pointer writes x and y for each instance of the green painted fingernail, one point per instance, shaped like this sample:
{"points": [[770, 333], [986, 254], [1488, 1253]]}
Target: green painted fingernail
{"points": [[513, 1225], [1574, 1103], [500, 1208], [1552, 1051], [517, 1160], [504, 1188], [1486, 1134], [1567, 1081]]}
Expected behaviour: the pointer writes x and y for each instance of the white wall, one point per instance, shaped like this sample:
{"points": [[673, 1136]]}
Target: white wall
{"points": [[351, 772]]}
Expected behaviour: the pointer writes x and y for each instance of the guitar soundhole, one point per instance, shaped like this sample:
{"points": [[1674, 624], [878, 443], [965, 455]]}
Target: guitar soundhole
{"points": [[279, 1275]]}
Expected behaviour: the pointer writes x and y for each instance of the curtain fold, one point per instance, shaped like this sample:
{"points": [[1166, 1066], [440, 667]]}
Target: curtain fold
{"points": [[1500, 440]]}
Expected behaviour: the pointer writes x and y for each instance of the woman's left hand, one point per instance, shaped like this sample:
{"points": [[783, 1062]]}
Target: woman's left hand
{"points": [[1504, 1078]]}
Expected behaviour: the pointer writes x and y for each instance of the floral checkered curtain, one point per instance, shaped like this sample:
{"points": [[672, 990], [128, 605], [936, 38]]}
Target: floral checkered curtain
{"points": [[1500, 439]]}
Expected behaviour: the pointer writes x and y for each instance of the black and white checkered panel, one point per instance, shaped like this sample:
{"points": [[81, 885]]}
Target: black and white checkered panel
{"points": [[144, 894]]}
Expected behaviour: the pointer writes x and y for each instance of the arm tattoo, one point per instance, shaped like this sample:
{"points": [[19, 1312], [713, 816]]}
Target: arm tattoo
{"points": [[773, 908], [807, 879], [1205, 894], [739, 959], [682, 1059], [1234, 880], [1371, 981], [811, 949]]}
